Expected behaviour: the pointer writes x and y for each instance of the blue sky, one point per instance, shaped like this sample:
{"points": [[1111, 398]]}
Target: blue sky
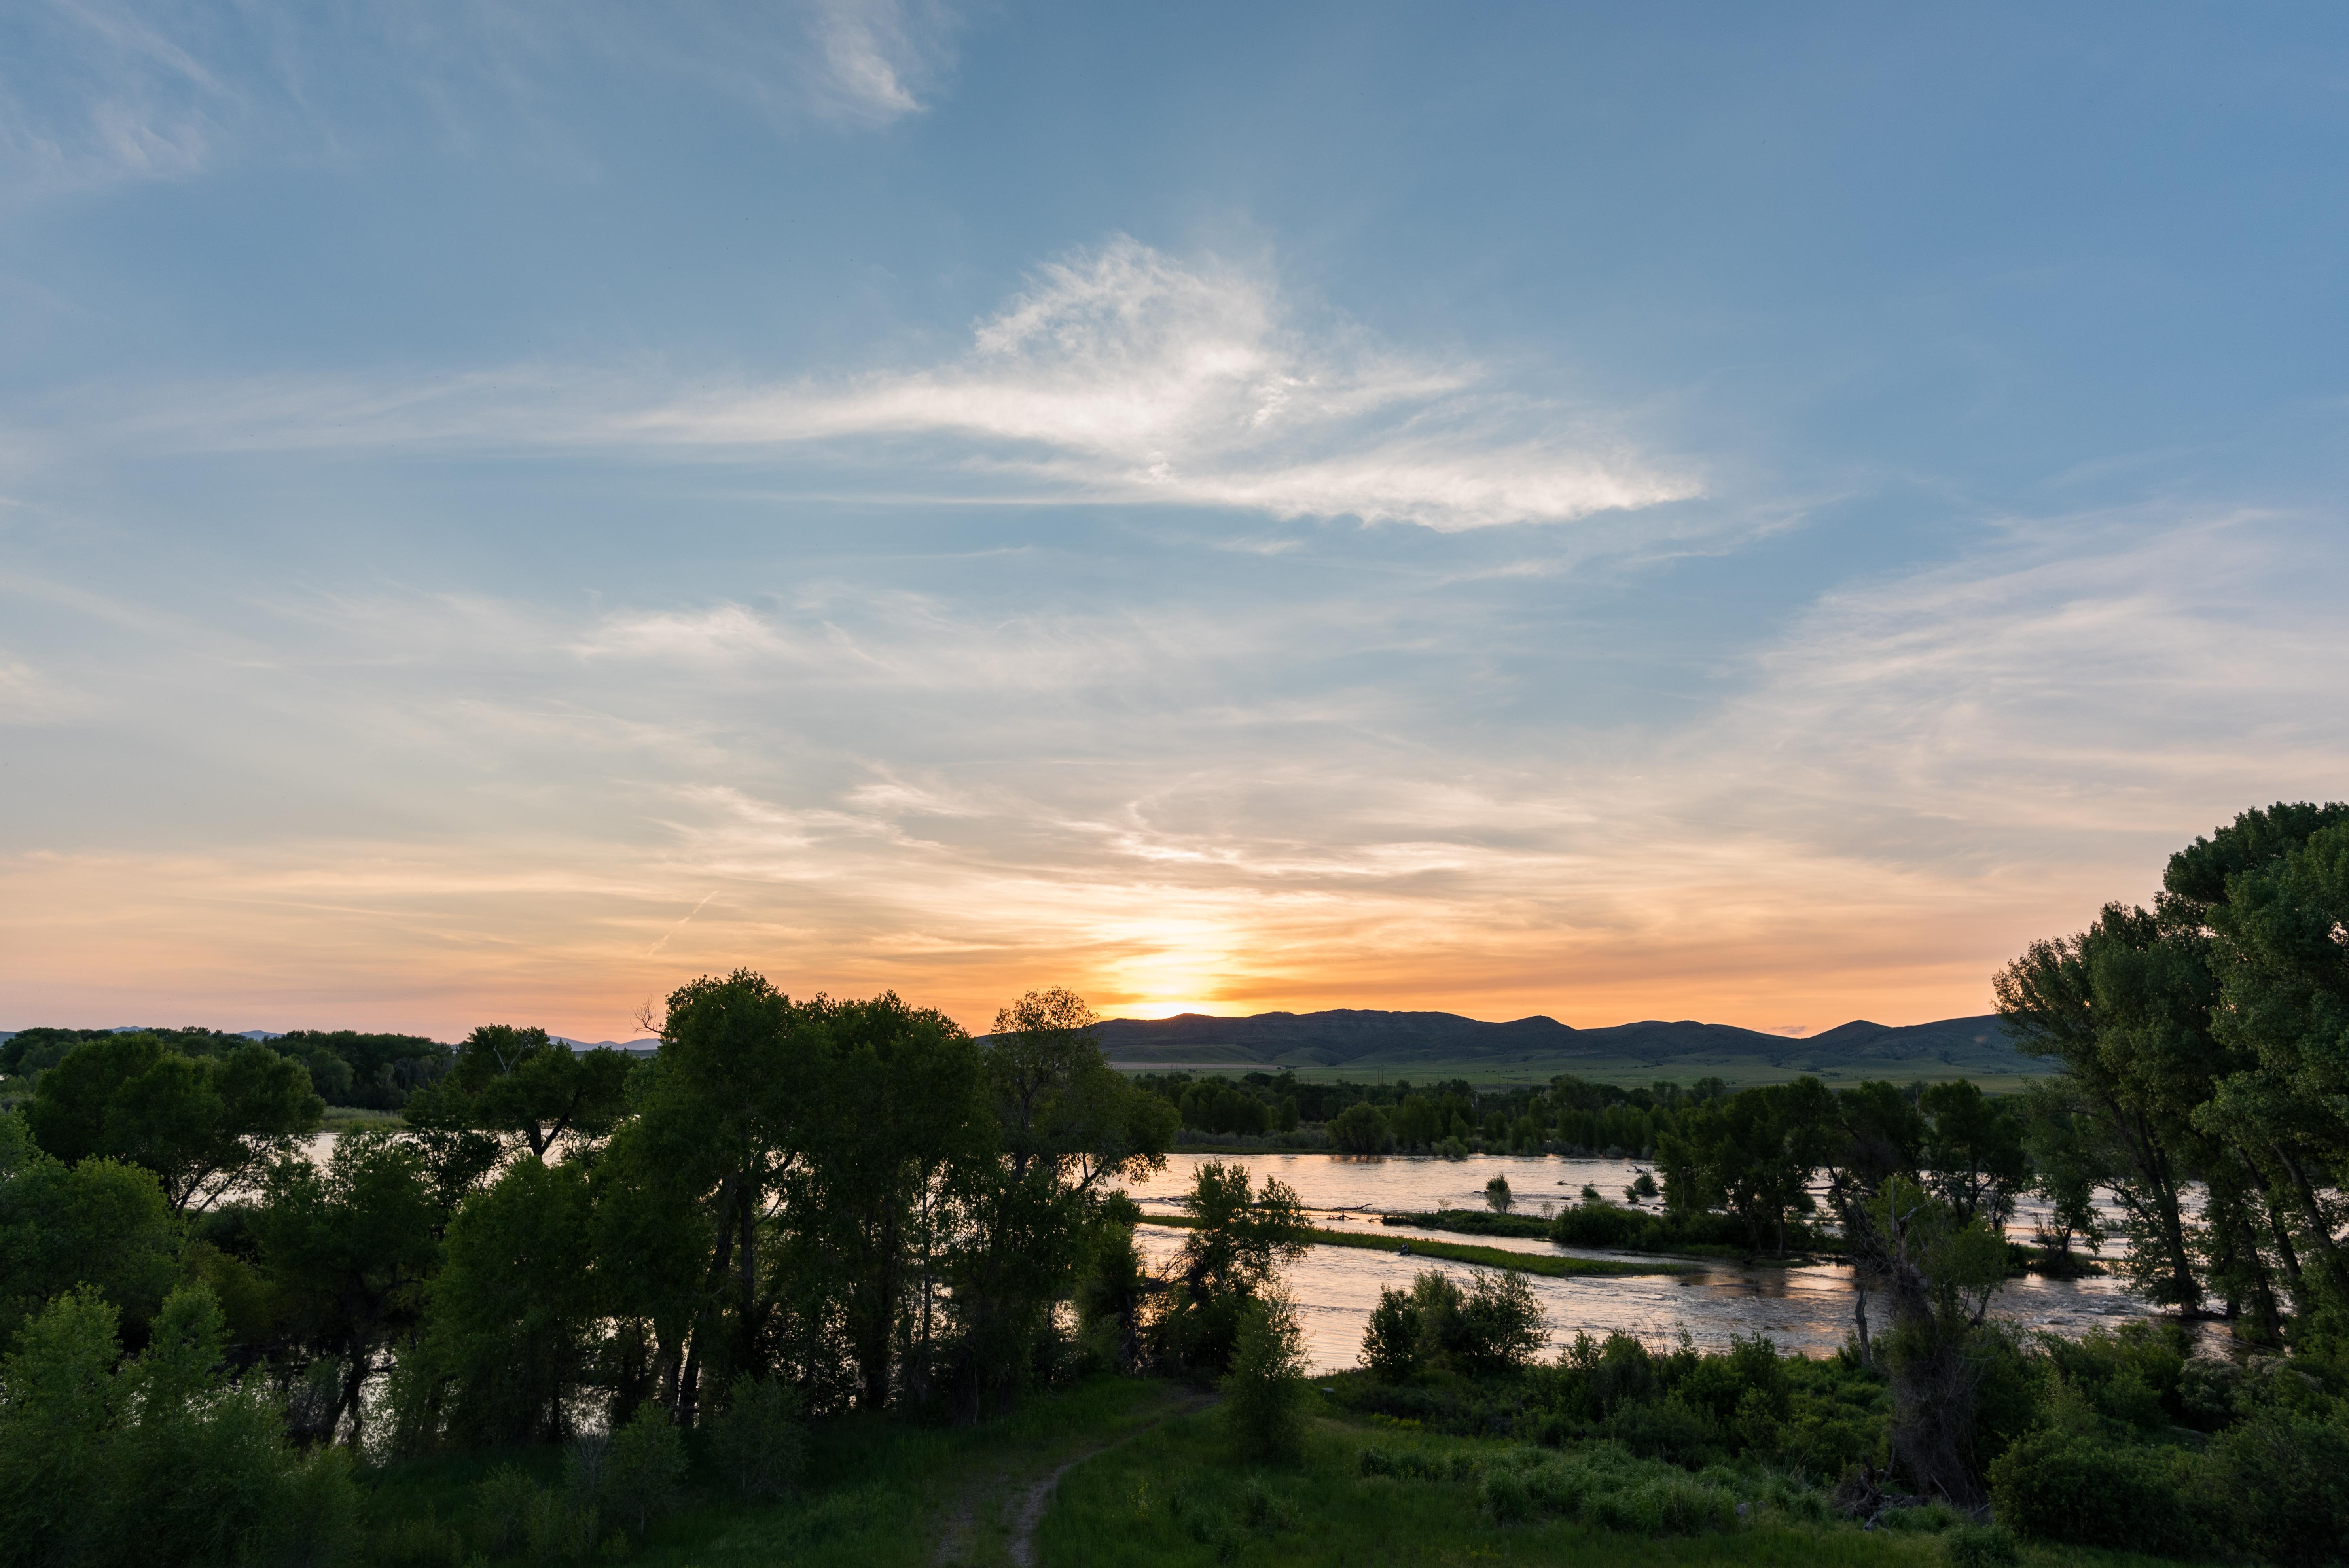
{"points": [[1618, 513]]}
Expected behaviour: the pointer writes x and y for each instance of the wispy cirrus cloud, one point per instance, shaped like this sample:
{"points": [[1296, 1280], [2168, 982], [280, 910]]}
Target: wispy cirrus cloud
{"points": [[100, 92], [1180, 804], [1120, 374]]}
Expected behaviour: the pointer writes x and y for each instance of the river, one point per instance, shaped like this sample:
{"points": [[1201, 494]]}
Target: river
{"points": [[1804, 1310]]}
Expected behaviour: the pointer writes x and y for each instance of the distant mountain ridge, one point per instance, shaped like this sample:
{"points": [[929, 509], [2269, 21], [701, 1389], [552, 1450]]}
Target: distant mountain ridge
{"points": [[1368, 1039]]}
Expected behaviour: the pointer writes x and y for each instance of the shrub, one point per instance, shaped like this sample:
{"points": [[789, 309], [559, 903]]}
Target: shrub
{"points": [[1981, 1546], [2288, 1478], [643, 1468], [2056, 1486], [1666, 1429], [505, 1499], [1265, 1388], [1261, 1509], [1598, 1225], [759, 1439], [1506, 1497], [1391, 1341], [1498, 1327], [160, 1459]]}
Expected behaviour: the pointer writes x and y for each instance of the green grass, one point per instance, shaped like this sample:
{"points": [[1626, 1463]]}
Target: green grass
{"points": [[877, 1493], [1176, 1498], [1463, 1252], [1149, 1491], [343, 1117]]}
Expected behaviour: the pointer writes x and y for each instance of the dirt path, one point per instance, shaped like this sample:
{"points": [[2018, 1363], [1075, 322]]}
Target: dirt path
{"points": [[955, 1542]]}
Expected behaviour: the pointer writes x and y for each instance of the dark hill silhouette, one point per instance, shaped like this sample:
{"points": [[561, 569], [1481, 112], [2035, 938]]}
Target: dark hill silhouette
{"points": [[1363, 1039]]}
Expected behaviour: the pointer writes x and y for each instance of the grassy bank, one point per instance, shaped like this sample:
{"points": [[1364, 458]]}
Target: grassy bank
{"points": [[1175, 1496], [343, 1117], [1464, 1252], [876, 1494], [1147, 1479]]}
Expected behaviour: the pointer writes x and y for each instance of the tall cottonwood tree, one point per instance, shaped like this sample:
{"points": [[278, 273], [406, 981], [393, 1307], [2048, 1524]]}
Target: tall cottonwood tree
{"points": [[528, 1086], [2199, 1037], [895, 1111], [1066, 1126], [202, 1124]]}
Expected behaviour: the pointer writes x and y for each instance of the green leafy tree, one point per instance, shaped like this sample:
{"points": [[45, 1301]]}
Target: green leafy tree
{"points": [[96, 1222], [1492, 1329], [519, 1082], [1360, 1128], [725, 1112], [508, 1340], [1936, 1273], [2177, 1035], [2067, 1162], [2284, 1008], [894, 1109], [653, 1234], [350, 1245], [1264, 1393], [2123, 1006], [157, 1459], [202, 1124], [1754, 1153], [1231, 1258], [1066, 1127], [378, 1071], [1974, 1151]]}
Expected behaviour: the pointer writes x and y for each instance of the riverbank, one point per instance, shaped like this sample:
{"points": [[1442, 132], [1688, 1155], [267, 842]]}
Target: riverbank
{"points": [[1462, 1253]]}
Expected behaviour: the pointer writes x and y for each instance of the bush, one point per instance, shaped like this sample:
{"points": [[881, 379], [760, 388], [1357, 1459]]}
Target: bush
{"points": [[1980, 1547], [643, 1467], [2056, 1486], [159, 1460], [1669, 1429], [1498, 1327], [1266, 1388], [2288, 1478], [1391, 1341], [1491, 1329], [1507, 1498], [758, 1440], [1598, 1225]]}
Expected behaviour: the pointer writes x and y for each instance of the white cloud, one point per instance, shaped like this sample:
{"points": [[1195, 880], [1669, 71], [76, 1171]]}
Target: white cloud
{"points": [[874, 54], [29, 697], [94, 92], [1119, 374], [1125, 373], [1923, 773]]}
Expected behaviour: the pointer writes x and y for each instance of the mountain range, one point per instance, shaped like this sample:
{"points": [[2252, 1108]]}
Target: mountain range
{"points": [[1362, 1042]]}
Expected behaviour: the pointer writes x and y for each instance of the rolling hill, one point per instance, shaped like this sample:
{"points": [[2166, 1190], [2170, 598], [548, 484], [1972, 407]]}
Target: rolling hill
{"points": [[1359, 1042]]}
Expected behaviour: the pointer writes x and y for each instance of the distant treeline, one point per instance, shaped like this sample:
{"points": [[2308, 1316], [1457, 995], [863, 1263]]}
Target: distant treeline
{"points": [[1569, 1117], [372, 1072]]}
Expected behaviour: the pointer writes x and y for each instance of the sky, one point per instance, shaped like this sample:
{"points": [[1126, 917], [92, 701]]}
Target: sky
{"points": [[1687, 511]]}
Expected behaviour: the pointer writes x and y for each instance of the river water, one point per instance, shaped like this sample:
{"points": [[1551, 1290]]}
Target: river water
{"points": [[1802, 1310]]}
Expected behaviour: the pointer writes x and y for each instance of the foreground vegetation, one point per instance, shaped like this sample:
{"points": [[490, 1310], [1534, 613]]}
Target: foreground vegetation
{"points": [[818, 1278]]}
